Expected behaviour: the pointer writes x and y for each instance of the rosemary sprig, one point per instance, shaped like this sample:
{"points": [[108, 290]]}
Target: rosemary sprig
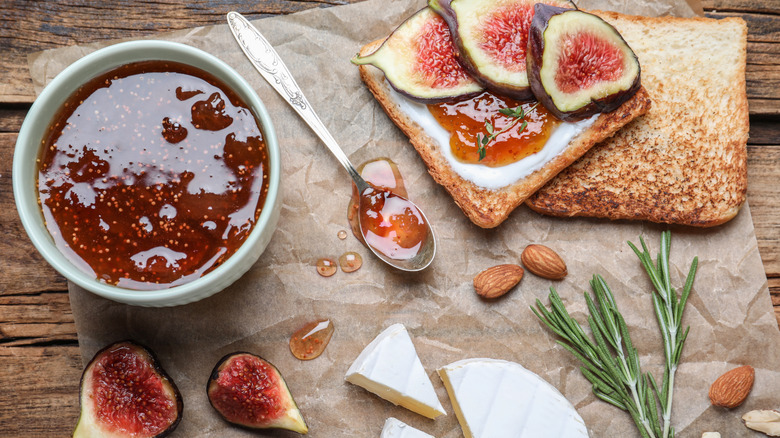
{"points": [[609, 360], [518, 113], [668, 311]]}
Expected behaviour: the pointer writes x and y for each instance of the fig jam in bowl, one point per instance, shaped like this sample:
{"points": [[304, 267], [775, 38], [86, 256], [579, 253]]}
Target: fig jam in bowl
{"points": [[148, 173]]}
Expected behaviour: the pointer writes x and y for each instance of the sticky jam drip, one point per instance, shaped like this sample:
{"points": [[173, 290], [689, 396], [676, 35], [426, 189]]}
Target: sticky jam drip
{"points": [[466, 118], [152, 175], [326, 267], [309, 341], [350, 261]]}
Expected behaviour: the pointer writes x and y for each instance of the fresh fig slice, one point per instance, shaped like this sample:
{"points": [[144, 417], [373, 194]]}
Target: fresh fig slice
{"points": [[248, 391], [125, 393], [419, 61], [578, 64], [492, 38]]}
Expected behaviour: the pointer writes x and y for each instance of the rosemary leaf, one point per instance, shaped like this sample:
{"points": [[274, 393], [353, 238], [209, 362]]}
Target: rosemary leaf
{"points": [[652, 405]]}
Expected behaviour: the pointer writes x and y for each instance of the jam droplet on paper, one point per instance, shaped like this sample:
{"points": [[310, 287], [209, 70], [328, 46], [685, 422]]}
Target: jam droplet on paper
{"points": [[326, 267], [310, 341], [350, 261]]}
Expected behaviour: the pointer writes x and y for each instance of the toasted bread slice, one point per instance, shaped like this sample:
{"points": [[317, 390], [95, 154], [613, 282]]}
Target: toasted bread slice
{"points": [[685, 161], [489, 207]]}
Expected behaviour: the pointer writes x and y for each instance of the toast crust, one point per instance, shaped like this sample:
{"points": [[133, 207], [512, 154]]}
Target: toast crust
{"points": [[685, 161], [487, 208]]}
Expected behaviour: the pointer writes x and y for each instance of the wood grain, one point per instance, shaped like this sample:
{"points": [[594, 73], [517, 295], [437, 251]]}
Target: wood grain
{"points": [[23, 269], [27, 26], [40, 363], [766, 7], [40, 390]]}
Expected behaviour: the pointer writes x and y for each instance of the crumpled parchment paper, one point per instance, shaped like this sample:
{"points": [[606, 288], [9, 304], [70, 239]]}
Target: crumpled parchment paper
{"points": [[730, 314]]}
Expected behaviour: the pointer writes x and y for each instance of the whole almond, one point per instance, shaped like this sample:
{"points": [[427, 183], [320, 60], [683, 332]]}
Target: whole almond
{"points": [[543, 262], [498, 280], [733, 387]]}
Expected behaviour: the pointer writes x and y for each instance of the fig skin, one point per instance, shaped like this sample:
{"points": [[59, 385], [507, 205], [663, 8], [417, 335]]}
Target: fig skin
{"points": [[517, 92], [87, 426], [291, 419], [536, 46], [382, 58]]}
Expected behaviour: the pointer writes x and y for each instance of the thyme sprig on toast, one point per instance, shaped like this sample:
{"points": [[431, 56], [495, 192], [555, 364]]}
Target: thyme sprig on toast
{"points": [[609, 360], [517, 113]]}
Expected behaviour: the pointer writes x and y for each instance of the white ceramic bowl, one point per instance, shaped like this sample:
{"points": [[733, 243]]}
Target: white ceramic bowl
{"points": [[41, 114]]}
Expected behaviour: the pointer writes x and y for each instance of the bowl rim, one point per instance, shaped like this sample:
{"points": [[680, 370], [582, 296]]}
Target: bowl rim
{"points": [[30, 137]]}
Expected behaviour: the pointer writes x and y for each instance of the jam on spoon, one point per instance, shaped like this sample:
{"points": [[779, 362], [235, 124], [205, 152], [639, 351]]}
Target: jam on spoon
{"points": [[387, 220], [391, 224]]}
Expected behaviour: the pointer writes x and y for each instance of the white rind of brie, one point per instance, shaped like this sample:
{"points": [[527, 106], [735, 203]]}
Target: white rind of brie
{"points": [[395, 428], [485, 176], [389, 367], [500, 399]]}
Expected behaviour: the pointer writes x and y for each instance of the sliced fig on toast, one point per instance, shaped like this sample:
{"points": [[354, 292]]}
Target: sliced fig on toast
{"points": [[578, 64], [125, 393], [419, 61], [248, 391], [492, 39]]}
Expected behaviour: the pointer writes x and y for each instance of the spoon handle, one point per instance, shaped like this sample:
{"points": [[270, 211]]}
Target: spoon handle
{"points": [[272, 68]]}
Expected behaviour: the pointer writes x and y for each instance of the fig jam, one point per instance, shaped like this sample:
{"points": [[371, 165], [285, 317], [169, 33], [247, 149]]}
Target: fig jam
{"points": [[392, 224], [466, 118], [152, 175], [380, 173], [326, 267], [309, 341], [350, 261]]}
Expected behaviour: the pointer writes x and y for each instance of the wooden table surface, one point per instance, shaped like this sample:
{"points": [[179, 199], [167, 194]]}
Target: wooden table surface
{"points": [[40, 364]]}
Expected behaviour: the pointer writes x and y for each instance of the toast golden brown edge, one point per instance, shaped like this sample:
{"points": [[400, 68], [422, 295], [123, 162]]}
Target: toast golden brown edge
{"points": [[487, 208], [685, 161]]}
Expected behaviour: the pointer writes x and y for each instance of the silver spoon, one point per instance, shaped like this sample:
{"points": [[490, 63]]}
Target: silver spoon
{"points": [[272, 68]]}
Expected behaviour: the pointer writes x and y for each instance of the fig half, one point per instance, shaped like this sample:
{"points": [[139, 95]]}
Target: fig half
{"points": [[125, 393], [248, 391], [419, 61], [492, 39], [578, 64]]}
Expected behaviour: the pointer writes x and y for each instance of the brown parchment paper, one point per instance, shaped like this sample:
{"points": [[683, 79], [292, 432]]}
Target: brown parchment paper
{"points": [[730, 314]]}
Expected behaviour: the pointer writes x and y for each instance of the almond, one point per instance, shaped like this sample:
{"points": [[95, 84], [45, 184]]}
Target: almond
{"points": [[543, 262], [733, 387], [498, 280]]}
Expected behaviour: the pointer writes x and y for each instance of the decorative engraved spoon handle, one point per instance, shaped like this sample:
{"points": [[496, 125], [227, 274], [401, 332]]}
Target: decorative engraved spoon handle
{"points": [[272, 68]]}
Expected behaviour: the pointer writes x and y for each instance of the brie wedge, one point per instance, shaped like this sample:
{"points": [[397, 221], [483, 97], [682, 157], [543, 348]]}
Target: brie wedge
{"points": [[395, 428], [500, 399], [389, 367]]}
